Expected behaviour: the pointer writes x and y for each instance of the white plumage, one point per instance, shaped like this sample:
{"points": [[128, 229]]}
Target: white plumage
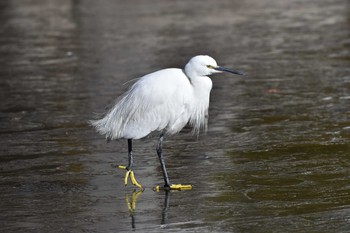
{"points": [[163, 101]]}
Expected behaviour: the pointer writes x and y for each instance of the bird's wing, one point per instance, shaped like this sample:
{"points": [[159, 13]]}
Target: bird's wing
{"points": [[157, 101]]}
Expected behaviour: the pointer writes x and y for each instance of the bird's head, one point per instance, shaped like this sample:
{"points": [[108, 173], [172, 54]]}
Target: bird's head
{"points": [[203, 65]]}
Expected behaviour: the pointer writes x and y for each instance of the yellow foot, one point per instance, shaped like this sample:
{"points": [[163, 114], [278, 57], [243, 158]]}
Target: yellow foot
{"points": [[178, 187], [130, 174]]}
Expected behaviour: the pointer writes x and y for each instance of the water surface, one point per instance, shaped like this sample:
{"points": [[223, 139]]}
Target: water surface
{"points": [[275, 158]]}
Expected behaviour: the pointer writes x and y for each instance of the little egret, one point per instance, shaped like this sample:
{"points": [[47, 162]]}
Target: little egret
{"points": [[163, 101]]}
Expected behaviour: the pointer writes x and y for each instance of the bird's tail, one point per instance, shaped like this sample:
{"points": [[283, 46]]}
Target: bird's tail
{"points": [[114, 122], [100, 126], [111, 124]]}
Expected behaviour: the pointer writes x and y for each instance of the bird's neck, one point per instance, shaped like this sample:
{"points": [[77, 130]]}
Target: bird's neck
{"points": [[201, 86], [199, 107]]}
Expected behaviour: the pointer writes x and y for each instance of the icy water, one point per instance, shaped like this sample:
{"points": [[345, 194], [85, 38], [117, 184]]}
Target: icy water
{"points": [[276, 157]]}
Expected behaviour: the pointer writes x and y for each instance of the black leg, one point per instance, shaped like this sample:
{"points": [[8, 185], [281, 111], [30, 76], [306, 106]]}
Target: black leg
{"points": [[161, 160], [129, 172], [130, 158]]}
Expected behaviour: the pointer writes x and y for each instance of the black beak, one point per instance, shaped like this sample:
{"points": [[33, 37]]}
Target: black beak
{"points": [[220, 68]]}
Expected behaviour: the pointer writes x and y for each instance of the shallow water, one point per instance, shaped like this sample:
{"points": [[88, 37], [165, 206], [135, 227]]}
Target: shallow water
{"points": [[275, 158]]}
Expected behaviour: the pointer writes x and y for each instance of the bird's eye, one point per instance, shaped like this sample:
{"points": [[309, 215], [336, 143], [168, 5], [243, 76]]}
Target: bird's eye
{"points": [[210, 67]]}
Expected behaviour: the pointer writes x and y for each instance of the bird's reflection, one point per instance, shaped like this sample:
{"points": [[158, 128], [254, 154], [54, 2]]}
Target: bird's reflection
{"points": [[131, 204], [131, 201], [166, 206]]}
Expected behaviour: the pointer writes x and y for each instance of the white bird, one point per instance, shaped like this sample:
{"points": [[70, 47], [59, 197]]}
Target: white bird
{"points": [[164, 101]]}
